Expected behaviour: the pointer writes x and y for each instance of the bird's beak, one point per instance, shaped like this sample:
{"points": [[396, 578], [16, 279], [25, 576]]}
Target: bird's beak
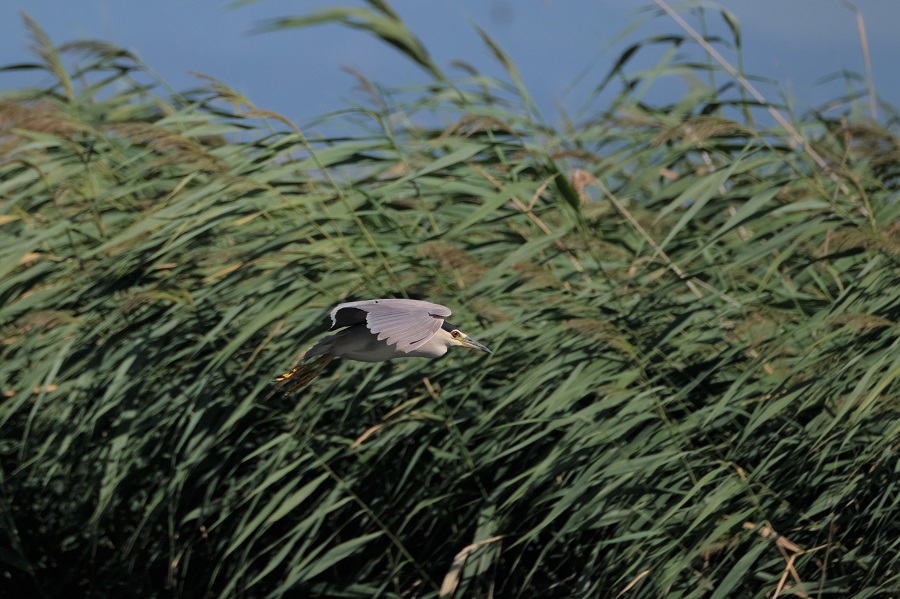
{"points": [[469, 342]]}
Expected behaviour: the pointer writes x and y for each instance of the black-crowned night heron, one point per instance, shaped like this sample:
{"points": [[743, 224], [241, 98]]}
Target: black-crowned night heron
{"points": [[384, 329]]}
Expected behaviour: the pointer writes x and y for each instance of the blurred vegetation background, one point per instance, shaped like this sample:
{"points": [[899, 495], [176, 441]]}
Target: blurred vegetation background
{"points": [[693, 307]]}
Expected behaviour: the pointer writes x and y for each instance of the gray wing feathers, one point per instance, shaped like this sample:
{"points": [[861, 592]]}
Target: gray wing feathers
{"points": [[408, 324]]}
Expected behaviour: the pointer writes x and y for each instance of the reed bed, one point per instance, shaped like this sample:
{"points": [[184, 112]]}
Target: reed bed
{"points": [[694, 316]]}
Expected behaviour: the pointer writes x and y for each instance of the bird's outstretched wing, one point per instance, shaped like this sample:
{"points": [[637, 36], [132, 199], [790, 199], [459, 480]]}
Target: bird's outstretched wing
{"points": [[407, 324]]}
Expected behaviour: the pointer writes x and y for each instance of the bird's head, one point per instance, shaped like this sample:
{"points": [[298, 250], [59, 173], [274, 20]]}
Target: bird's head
{"points": [[451, 336]]}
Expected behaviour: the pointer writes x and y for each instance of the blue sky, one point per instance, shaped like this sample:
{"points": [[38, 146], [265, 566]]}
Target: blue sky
{"points": [[561, 47]]}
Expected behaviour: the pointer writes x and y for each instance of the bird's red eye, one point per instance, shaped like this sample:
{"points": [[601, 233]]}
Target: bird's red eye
{"points": [[455, 334]]}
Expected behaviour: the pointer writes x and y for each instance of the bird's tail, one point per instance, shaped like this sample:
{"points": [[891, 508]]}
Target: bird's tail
{"points": [[322, 347]]}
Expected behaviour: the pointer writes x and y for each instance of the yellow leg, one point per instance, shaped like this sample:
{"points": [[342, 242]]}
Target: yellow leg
{"points": [[303, 375]]}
